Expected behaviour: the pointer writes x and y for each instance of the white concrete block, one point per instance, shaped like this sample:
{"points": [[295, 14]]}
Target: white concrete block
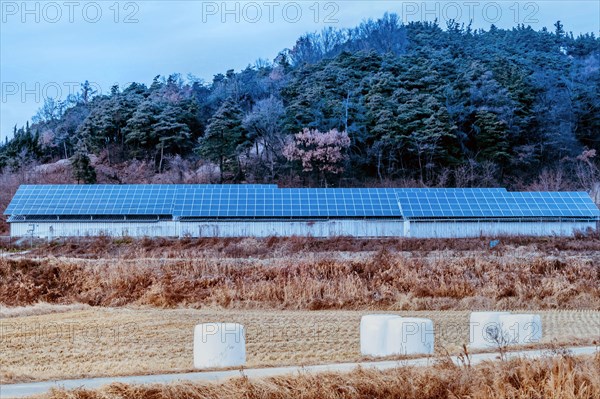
{"points": [[485, 329], [373, 333], [218, 345], [410, 336], [521, 329]]}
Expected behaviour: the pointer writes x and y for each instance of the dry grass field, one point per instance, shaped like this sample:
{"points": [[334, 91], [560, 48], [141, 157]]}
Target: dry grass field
{"points": [[102, 307], [562, 377], [257, 274], [108, 341]]}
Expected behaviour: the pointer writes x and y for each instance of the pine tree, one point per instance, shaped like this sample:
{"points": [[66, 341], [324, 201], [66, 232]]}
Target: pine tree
{"points": [[83, 170], [138, 132], [428, 131], [492, 138], [172, 134], [224, 135]]}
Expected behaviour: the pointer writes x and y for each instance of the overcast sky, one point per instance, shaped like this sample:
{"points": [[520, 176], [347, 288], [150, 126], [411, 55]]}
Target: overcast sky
{"points": [[48, 48]]}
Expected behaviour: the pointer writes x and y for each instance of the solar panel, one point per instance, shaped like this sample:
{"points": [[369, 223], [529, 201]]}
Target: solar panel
{"points": [[452, 190], [104, 199], [92, 200], [564, 204], [286, 203], [268, 201], [489, 203]]}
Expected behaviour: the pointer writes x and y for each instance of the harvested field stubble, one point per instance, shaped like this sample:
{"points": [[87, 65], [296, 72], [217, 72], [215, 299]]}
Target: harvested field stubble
{"points": [[124, 341], [381, 280], [562, 377]]}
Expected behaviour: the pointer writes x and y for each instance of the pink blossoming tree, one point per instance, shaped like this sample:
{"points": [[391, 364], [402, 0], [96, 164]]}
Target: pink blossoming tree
{"points": [[321, 153]]}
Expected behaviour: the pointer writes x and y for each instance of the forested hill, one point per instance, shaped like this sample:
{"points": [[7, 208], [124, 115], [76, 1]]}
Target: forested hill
{"points": [[383, 102]]}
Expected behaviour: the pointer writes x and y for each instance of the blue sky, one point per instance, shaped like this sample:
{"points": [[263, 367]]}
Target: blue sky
{"points": [[47, 48]]}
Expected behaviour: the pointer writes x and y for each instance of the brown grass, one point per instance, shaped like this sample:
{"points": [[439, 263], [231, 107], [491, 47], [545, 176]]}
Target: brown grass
{"points": [[127, 247], [108, 342], [386, 280], [563, 377], [37, 309]]}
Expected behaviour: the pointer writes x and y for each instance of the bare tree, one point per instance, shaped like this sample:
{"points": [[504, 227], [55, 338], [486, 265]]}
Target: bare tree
{"points": [[264, 124]]}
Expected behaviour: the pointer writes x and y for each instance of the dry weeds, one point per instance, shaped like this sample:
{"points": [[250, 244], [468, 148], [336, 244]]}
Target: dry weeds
{"points": [[38, 309], [269, 285], [132, 248], [105, 342], [384, 280], [562, 377]]}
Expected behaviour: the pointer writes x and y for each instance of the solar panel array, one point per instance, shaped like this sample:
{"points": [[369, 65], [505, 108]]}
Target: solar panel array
{"points": [[104, 199], [453, 204], [93, 200], [287, 203], [249, 201]]}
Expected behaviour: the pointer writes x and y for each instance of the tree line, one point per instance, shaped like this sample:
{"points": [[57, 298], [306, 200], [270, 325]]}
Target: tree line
{"points": [[382, 102]]}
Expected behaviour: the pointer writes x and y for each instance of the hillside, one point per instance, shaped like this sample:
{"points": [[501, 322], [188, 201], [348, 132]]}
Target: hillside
{"points": [[385, 103]]}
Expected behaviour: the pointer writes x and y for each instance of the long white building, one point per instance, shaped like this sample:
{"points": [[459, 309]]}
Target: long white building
{"points": [[265, 210]]}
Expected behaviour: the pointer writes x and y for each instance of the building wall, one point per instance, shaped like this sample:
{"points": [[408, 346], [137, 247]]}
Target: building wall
{"points": [[330, 228], [457, 229], [82, 229]]}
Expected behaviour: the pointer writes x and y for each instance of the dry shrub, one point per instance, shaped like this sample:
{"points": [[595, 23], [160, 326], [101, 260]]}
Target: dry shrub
{"points": [[562, 377], [385, 280]]}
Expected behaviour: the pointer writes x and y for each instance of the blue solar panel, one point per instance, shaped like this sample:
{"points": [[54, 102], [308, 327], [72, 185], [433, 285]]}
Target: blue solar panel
{"points": [[96, 200], [452, 190], [456, 204], [262, 201], [133, 199], [286, 203]]}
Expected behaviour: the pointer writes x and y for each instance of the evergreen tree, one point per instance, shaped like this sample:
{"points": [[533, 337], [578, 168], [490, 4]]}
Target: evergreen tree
{"points": [[173, 135], [139, 133], [492, 138], [83, 170], [223, 138]]}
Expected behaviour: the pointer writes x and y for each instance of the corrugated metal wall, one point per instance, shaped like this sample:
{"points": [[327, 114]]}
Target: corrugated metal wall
{"points": [[443, 229], [329, 228], [81, 229]]}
